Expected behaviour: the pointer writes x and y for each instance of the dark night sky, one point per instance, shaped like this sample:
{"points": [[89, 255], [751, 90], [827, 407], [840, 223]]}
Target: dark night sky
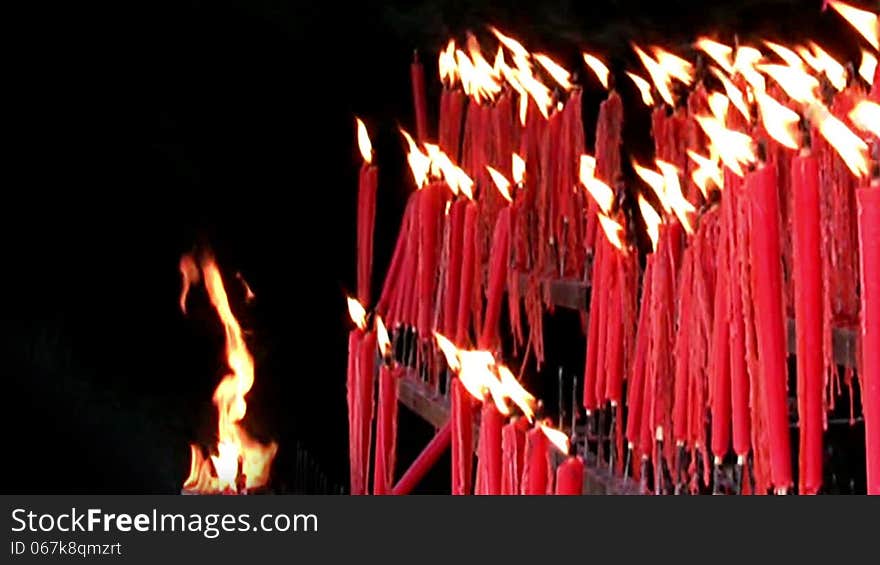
{"points": [[144, 127]]}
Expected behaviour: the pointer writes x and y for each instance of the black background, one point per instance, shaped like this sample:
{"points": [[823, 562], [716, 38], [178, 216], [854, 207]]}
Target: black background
{"points": [[140, 128]]}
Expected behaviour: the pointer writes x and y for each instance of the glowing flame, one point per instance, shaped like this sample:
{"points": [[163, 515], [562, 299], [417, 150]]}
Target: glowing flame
{"points": [[382, 338], [790, 57], [518, 168], [447, 64], [475, 372], [190, 273], [656, 181], [848, 145], [248, 293], [537, 90], [357, 312], [644, 88], [598, 67], [364, 142], [515, 46], [866, 116], [718, 105], [779, 121], [659, 76], [735, 148], [707, 170], [744, 63], [673, 196], [514, 390], [555, 70], [240, 460], [720, 53], [797, 83], [501, 182], [865, 22], [734, 94], [558, 438], [456, 179], [822, 62], [449, 350], [868, 66], [613, 231], [601, 192], [674, 66], [419, 163], [652, 221]]}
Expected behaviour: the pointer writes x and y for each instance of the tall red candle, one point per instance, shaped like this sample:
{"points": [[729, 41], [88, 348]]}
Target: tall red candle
{"points": [[354, 347], [513, 444], [719, 365], [430, 209], [769, 320], [499, 259], [366, 215], [636, 388], [869, 240], [570, 476], [491, 423], [537, 474], [453, 267], [462, 438], [366, 380], [591, 402], [468, 262], [420, 101], [386, 431], [391, 286], [808, 303], [682, 349]]}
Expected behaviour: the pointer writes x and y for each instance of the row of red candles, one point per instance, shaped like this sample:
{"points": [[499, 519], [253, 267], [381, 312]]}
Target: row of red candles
{"points": [[708, 332]]}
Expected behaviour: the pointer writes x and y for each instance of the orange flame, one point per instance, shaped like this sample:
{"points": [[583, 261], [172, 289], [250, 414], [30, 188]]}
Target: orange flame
{"points": [[673, 196], [644, 88], [501, 182], [659, 76], [447, 65], [419, 163], [674, 66], [558, 438], [249, 295], [734, 94], [779, 122], [518, 168], [868, 66], [797, 83], [364, 142], [866, 117], [555, 70], [719, 52], [190, 273], [601, 192], [790, 57], [718, 105], [449, 350], [357, 313], [475, 372], [513, 45], [707, 170], [735, 148], [514, 390], [382, 338], [598, 67], [865, 22], [656, 181], [613, 231], [652, 221], [822, 62], [848, 145], [744, 63], [237, 453]]}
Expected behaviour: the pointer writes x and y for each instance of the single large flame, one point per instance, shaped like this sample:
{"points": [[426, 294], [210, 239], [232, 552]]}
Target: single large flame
{"points": [[598, 67], [866, 117], [719, 52], [501, 183], [865, 22], [555, 70], [733, 147], [779, 121], [652, 221], [364, 142], [558, 438], [357, 312], [241, 463], [644, 88], [868, 66]]}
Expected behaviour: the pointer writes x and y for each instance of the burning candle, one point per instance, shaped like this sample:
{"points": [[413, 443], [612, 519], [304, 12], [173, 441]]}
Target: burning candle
{"points": [[462, 438], [499, 260], [570, 476], [808, 303], [513, 442], [538, 472], [386, 419], [491, 422], [468, 266], [430, 206], [366, 214]]}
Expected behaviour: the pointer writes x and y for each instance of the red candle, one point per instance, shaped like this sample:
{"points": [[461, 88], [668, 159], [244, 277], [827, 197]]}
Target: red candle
{"points": [[869, 238], [603, 290], [468, 262], [682, 350], [513, 443], [366, 215], [392, 283], [462, 438], [591, 402], [499, 260], [537, 474], [453, 267], [386, 431], [636, 389], [491, 422], [616, 323], [420, 102], [769, 321], [808, 318], [570, 476], [719, 365], [430, 209], [354, 347], [365, 376]]}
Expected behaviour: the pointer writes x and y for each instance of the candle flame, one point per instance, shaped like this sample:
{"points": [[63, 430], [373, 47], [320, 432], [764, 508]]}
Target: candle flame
{"points": [[364, 142], [718, 105], [865, 22], [659, 76], [652, 221], [866, 116], [733, 147], [190, 273], [790, 57], [419, 163], [598, 67], [719, 52], [601, 192], [536, 89], [734, 94], [449, 350], [744, 63], [357, 312], [555, 70], [654, 180], [851, 148], [779, 122], [674, 66], [613, 231], [558, 438], [501, 183], [868, 66], [707, 170], [673, 196], [518, 168], [644, 88], [822, 62], [798, 84], [514, 390], [447, 65], [513, 45], [382, 338]]}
